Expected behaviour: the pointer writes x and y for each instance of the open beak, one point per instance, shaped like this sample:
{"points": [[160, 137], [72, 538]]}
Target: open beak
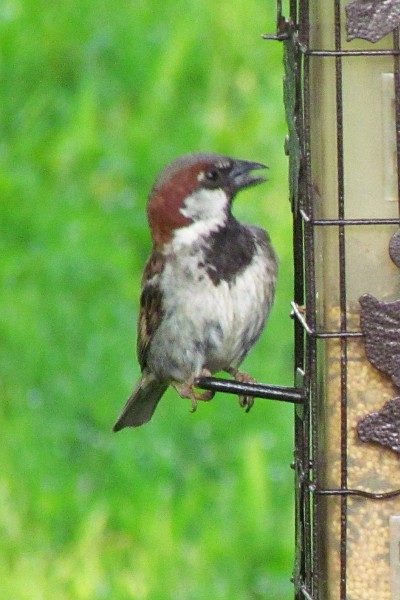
{"points": [[241, 174]]}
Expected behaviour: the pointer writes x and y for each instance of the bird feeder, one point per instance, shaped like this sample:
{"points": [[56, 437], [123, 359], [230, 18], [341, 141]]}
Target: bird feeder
{"points": [[342, 100]]}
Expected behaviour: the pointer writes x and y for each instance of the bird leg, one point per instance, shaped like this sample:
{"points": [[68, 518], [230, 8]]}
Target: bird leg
{"points": [[185, 390], [244, 401]]}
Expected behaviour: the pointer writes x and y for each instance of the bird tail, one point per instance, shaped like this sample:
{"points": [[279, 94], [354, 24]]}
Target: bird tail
{"points": [[142, 402]]}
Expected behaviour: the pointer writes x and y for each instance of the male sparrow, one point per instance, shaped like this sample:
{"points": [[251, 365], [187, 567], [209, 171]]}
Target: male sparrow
{"points": [[207, 287]]}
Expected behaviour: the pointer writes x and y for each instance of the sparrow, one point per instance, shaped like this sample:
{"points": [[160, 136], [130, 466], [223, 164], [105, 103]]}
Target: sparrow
{"points": [[208, 286]]}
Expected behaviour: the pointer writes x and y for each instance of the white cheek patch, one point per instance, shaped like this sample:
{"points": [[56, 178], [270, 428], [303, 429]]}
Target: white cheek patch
{"points": [[208, 211], [205, 205]]}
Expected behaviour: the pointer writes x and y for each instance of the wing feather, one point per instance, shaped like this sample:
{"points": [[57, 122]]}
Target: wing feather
{"points": [[151, 306]]}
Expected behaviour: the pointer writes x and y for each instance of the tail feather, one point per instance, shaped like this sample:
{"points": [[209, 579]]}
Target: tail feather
{"points": [[142, 403]]}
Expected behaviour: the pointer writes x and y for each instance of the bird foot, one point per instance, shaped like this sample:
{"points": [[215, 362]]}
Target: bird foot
{"points": [[185, 390], [245, 402]]}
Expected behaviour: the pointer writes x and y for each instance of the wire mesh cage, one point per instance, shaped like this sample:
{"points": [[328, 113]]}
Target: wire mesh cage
{"points": [[342, 99]]}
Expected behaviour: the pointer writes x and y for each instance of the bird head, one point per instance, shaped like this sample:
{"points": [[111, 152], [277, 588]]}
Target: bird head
{"points": [[197, 189]]}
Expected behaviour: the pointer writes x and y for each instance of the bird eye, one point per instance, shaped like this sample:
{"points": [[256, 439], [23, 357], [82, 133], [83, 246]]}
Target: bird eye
{"points": [[212, 175]]}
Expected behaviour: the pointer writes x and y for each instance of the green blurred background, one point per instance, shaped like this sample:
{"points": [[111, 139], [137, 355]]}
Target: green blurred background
{"points": [[95, 98]]}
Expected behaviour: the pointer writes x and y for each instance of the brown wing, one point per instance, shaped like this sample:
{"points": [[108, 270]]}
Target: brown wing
{"points": [[150, 305]]}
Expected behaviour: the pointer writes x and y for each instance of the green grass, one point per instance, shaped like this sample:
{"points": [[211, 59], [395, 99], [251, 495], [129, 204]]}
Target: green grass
{"points": [[96, 98]]}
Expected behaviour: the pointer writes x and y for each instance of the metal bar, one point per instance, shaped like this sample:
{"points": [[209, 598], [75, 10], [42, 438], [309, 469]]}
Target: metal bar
{"points": [[396, 69], [324, 335], [343, 53], [343, 299], [356, 492], [310, 542], [277, 37], [303, 545], [345, 222], [256, 390], [293, 10], [331, 53], [299, 365], [306, 594], [298, 314]]}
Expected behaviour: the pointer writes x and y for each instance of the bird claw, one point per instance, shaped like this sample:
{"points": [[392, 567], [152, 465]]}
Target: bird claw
{"points": [[186, 391], [196, 397], [245, 402]]}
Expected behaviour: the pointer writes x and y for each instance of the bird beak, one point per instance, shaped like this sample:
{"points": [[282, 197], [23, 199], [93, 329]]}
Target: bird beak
{"points": [[241, 177]]}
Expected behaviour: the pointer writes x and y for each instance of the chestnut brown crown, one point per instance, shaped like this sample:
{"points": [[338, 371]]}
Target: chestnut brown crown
{"points": [[204, 178]]}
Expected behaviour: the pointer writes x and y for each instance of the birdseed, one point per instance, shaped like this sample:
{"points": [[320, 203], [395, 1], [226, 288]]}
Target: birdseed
{"points": [[370, 467]]}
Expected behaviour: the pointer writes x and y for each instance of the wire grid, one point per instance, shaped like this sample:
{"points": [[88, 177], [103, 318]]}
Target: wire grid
{"points": [[309, 568]]}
